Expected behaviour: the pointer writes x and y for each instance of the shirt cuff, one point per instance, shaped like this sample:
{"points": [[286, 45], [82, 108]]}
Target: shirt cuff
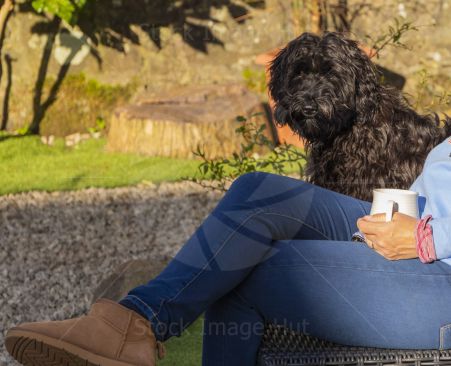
{"points": [[442, 237], [425, 240]]}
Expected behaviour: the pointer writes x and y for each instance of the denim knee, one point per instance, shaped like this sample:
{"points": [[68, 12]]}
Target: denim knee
{"points": [[249, 179], [250, 190]]}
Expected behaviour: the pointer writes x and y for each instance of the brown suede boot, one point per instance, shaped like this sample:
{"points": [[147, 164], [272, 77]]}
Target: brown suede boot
{"points": [[110, 335]]}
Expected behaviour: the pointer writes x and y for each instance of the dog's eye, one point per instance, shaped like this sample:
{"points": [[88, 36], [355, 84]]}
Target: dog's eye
{"points": [[325, 68], [325, 96]]}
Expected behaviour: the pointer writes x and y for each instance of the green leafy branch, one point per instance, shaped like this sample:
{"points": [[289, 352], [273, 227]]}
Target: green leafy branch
{"points": [[218, 173], [428, 96], [99, 127], [392, 37], [68, 10]]}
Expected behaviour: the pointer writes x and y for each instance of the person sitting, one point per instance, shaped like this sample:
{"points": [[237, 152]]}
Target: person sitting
{"points": [[277, 249]]}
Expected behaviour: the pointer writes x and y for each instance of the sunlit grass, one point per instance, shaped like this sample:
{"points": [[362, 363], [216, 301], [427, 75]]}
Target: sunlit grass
{"points": [[26, 164], [185, 350]]}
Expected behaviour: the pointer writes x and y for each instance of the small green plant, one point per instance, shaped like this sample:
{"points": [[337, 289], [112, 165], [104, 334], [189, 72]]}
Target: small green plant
{"points": [[83, 104], [23, 131], [218, 173], [255, 79], [99, 127], [431, 92], [391, 37], [67, 10]]}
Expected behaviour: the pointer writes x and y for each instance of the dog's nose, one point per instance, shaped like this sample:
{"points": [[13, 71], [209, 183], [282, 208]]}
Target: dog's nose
{"points": [[310, 109]]}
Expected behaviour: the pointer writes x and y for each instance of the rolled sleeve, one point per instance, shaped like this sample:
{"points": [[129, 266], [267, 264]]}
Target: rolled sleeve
{"points": [[434, 187], [441, 231]]}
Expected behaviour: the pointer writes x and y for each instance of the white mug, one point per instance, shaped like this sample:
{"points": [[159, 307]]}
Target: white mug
{"points": [[389, 201]]}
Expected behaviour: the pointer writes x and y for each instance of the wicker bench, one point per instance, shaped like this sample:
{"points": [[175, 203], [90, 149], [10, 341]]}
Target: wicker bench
{"points": [[283, 347]]}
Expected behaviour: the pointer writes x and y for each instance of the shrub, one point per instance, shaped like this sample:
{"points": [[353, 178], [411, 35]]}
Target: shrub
{"points": [[217, 174], [255, 80], [81, 104]]}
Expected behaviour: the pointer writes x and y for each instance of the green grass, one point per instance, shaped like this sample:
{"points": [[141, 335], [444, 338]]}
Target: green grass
{"points": [[26, 165], [185, 350]]}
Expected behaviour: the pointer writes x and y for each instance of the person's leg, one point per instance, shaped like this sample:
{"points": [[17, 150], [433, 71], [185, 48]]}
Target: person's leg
{"points": [[258, 209], [338, 291]]}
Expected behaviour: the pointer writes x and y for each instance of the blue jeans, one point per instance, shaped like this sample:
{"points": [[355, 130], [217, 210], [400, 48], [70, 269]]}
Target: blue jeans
{"points": [[277, 249]]}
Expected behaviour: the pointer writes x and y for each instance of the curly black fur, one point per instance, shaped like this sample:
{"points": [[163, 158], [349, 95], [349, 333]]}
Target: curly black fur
{"points": [[360, 134]]}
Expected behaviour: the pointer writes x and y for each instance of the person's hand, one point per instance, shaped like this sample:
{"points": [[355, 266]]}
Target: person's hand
{"points": [[393, 240]]}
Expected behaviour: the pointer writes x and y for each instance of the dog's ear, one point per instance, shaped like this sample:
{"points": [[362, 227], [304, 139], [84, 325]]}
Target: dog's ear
{"points": [[277, 74], [367, 84], [277, 85], [367, 81]]}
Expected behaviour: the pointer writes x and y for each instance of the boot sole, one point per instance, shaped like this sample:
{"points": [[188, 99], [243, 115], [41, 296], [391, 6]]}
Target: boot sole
{"points": [[33, 349]]}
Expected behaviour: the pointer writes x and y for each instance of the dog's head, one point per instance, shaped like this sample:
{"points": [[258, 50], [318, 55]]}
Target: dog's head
{"points": [[321, 84]]}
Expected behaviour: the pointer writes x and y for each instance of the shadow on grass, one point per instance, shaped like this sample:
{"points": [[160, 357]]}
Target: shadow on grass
{"points": [[6, 136]]}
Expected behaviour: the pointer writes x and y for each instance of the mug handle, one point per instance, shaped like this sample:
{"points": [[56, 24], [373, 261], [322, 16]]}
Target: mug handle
{"points": [[389, 210]]}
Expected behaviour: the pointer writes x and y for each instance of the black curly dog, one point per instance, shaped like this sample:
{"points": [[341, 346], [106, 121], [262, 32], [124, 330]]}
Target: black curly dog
{"points": [[360, 134]]}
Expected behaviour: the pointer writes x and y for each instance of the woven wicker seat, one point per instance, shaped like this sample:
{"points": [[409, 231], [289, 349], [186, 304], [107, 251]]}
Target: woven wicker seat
{"points": [[281, 346]]}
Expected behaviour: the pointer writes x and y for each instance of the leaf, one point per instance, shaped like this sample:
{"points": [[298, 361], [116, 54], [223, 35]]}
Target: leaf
{"points": [[68, 10], [38, 5], [241, 119]]}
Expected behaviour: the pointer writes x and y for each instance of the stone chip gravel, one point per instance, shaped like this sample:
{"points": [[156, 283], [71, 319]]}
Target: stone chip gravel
{"points": [[55, 248]]}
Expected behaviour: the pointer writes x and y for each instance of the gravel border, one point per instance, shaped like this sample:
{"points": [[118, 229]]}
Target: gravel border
{"points": [[57, 247]]}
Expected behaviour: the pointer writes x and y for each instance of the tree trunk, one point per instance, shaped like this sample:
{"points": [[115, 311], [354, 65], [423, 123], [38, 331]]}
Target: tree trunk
{"points": [[39, 108], [316, 14], [5, 11], [173, 124], [297, 8], [319, 14], [342, 22]]}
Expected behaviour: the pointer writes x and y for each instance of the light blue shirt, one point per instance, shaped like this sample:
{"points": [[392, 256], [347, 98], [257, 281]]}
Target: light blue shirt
{"points": [[434, 187]]}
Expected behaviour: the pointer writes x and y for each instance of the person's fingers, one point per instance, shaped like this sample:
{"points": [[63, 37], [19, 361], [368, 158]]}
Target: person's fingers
{"points": [[371, 237], [375, 218], [370, 227], [379, 247], [383, 253], [375, 241]]}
